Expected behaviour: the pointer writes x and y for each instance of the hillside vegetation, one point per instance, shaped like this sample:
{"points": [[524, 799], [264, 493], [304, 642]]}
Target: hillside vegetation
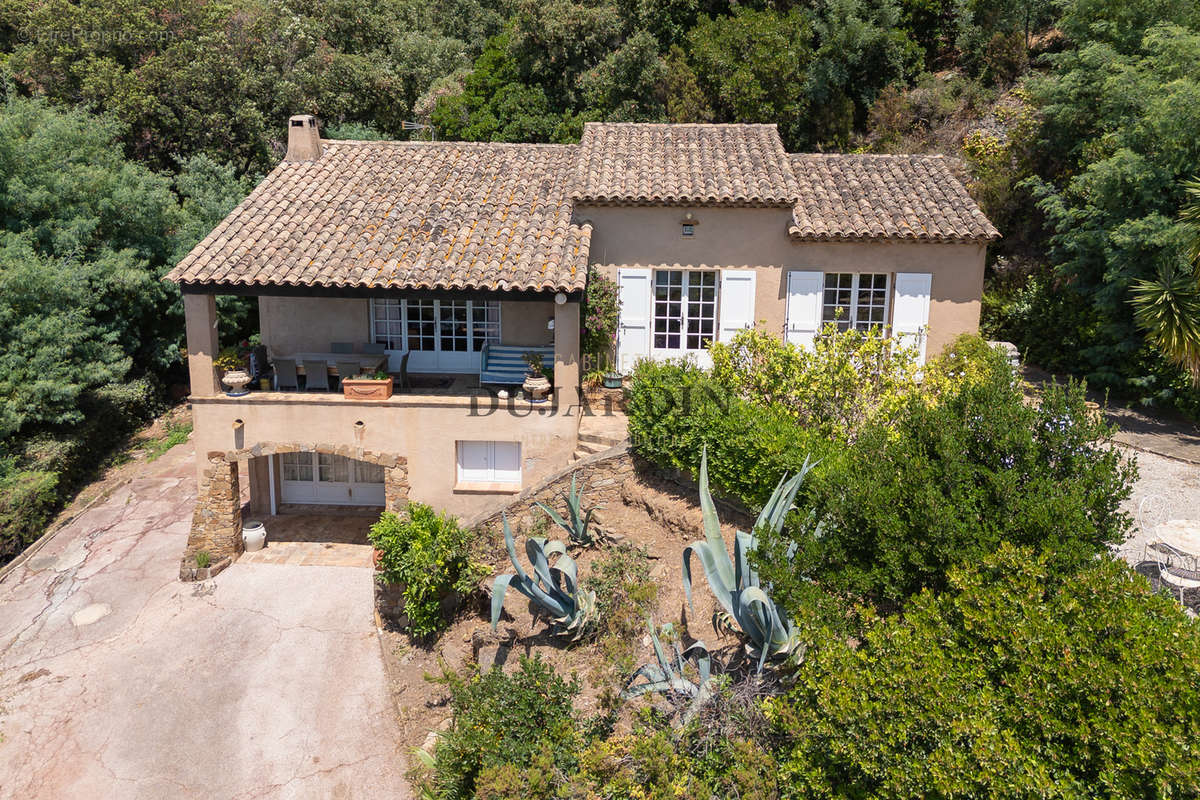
{"points": [[130, 128]]}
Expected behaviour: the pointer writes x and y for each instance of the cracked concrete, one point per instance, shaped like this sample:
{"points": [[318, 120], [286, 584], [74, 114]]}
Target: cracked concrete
{"points": [[119, 681]]}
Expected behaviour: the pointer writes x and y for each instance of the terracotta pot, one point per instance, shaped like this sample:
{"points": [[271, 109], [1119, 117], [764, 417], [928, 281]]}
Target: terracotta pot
{"points": [[366, 388]]}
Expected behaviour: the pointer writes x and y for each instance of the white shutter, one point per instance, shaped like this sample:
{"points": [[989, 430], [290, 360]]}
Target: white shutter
{"points": [[633, 337], [804, 307], [910, 309], [474, 462], [506, 462], [737, 302]]}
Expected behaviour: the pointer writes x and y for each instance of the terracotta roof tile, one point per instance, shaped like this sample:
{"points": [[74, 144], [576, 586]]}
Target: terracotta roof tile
{"points": [[857, 197], [659, 164], [404, 215], [457, 215]]}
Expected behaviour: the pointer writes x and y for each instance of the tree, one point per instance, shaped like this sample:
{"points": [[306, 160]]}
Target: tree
{"points": [[964, 466], [1116, 141], [1167, 306], [627, 86], [1015, 682], [752, 67]]}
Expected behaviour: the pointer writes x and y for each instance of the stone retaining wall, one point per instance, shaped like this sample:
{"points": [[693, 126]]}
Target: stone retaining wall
{"points": [[603, 476]]}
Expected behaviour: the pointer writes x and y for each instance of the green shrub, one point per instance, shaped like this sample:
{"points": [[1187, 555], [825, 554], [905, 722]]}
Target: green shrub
{"points": [[507, 732], [598, 319], [28, 500], [676, 410], [845, 380], [951, 482], [657, 762], [430, 556], [625, 596], [1014, 683]]}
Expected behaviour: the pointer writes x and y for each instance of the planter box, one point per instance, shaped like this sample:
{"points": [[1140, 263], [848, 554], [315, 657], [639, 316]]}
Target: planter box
{"points": [[366, 388], [188, 571]]}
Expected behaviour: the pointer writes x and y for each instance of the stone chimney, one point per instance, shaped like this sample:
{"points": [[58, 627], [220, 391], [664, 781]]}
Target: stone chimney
{"points": [[304, 139]]}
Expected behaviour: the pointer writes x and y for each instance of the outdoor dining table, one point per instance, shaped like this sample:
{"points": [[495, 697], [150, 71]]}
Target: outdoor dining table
{"points": [[368, 362], [1182, 535]]}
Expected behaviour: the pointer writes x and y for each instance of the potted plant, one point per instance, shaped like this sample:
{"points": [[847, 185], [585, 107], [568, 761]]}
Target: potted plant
{"points": [[368, 386], [536, 382], [233, 372]]}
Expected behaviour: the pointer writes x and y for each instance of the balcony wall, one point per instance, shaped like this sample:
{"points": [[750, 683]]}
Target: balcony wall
{"points": [[421, 428]]}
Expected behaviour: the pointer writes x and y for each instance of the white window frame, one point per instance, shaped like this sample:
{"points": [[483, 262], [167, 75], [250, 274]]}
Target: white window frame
{"points": [[490, 329], [851, 320], [685, 307], [490, 473]]}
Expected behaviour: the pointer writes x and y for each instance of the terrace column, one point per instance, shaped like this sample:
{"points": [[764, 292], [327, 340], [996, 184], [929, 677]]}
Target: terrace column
{"points": [[200, 316], [566, 356]]}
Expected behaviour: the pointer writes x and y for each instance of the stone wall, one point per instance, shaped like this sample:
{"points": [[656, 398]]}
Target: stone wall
{"points": [[600, 475], [217, 518], [606, 480], [395, 486]]}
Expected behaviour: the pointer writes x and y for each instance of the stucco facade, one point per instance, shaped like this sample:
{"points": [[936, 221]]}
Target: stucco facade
{"points": [[756, 238]]}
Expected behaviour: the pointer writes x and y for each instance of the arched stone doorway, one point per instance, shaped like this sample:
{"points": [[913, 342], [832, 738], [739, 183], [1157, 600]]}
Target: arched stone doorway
{"points": [[217, 518]]}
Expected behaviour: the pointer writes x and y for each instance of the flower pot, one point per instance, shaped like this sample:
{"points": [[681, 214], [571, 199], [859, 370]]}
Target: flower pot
{"points": [[538, 386], [254, 535], [612, 380], [236, 380], [367, 388]]}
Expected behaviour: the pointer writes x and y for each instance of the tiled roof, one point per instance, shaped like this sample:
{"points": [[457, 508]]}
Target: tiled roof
{"points": [[861, 197], [651, 164], [404, 215], [478, 216]]}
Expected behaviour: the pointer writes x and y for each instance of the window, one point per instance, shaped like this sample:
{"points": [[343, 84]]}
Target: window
{"points": [[689, 229], [489, 462], [685, 309], [422, 326], [366, 472], [296, 466], [333, 469], [389, 324], [485, 324], [431, 325], [855, 300]]}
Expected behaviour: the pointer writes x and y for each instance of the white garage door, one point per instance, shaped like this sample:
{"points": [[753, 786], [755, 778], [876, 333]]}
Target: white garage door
{"points": [[328, 479]]}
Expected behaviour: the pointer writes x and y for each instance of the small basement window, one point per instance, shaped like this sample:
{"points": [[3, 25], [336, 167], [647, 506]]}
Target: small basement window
{"points": [[484, 466]]}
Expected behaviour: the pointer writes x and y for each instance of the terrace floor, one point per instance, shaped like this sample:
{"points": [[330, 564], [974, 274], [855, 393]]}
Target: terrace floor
{"points": [[317, 536]]}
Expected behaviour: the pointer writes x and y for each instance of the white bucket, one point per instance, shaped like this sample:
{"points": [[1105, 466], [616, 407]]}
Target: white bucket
{"points": [[254, 534]]}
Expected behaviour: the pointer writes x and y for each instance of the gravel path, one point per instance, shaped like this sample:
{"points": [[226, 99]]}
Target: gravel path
{"points": [[1176, 482]]}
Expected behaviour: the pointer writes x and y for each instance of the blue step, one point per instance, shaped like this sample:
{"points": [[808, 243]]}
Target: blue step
{"points": [[506, 363]]}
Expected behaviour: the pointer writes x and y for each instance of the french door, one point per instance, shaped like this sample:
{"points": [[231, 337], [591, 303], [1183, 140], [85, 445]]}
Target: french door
{"points": [[684, 314], [439, 335], [328, 479]]}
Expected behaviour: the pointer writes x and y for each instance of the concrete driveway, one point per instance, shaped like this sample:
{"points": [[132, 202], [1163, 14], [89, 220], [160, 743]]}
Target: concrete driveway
{"points": [[118, 681]]}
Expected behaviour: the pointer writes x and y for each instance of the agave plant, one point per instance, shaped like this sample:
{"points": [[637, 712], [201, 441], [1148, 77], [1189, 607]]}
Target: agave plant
{"points": [[553, 587], [667, 677], [578, 525], [745, 605]]}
